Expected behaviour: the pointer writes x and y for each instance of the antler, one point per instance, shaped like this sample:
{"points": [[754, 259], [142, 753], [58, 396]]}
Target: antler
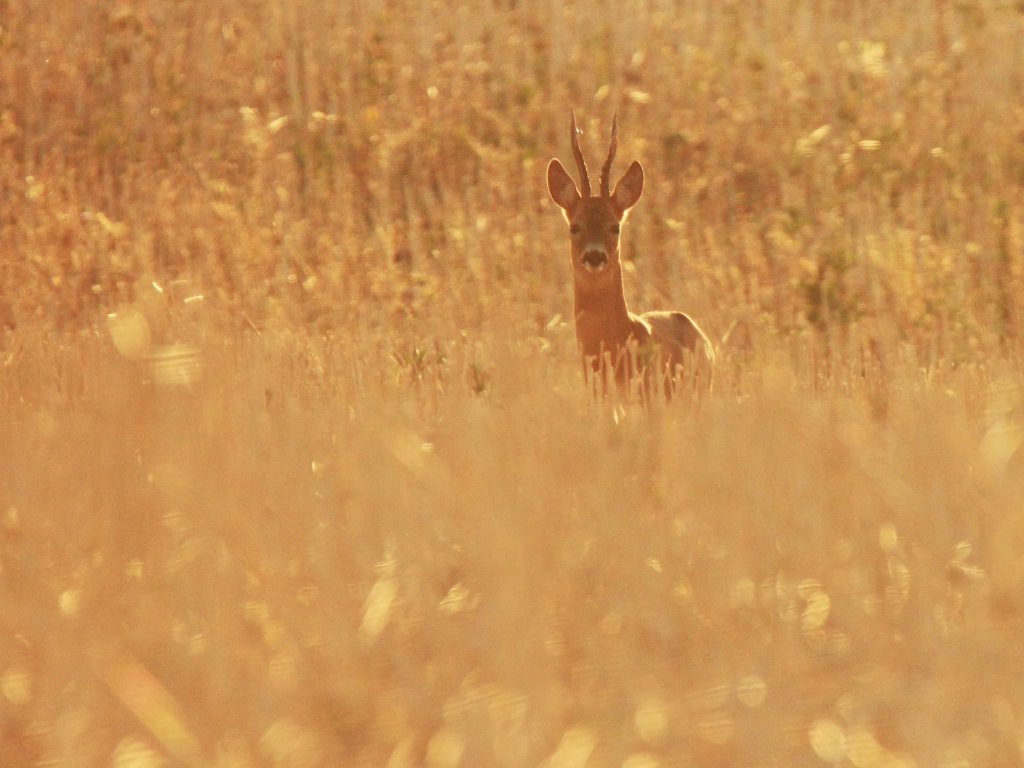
{"points": [[607, 168], [574, 134]]}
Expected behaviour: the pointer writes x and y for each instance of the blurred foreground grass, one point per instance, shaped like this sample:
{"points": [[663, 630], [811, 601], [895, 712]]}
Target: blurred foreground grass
{"points": [[283, 565]]}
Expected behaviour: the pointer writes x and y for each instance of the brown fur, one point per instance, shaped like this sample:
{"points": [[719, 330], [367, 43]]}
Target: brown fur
{"points": [[609, 334]]}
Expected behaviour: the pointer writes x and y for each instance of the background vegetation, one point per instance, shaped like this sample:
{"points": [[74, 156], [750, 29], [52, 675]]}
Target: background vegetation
{"points": [[296, 466]]}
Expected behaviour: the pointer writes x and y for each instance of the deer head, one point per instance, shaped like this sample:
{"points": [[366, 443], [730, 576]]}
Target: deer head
{"points": [[594, 220]]}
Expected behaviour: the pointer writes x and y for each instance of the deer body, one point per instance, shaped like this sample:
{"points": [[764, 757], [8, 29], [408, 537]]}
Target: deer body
{"points": [[608, 334]]}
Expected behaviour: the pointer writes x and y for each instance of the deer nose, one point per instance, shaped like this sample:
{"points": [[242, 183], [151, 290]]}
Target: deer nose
{"points": [[595, 260]]}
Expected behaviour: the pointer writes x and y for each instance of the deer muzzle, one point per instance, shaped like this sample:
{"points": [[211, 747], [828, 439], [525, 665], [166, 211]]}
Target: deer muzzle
{"points": [[595, 260]]}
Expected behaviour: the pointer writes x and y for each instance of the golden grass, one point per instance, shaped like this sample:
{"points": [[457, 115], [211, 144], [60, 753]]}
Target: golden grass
{"points": [[296, 466]]}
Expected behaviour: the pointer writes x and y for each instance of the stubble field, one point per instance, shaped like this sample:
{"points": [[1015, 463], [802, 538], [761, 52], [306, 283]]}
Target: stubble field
{"points": [[296, 464]]}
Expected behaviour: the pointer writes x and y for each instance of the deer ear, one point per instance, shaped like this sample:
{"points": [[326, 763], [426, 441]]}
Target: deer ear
{"points": [[561, 187], [630, 187]]}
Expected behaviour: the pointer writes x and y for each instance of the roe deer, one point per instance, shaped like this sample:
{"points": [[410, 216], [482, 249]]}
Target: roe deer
{"points": [[610, 337]]}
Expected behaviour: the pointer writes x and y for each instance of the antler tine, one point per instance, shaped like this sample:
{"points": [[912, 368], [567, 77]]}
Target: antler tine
{"points": [[578, 154], [606, 170]]}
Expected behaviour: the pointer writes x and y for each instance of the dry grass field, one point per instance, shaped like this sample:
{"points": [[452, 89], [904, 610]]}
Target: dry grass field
{"points": [[297, 467]]}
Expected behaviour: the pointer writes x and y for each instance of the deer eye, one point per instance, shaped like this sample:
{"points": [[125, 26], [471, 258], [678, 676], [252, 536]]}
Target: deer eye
{"points": [[574, 229], [615, 229]]}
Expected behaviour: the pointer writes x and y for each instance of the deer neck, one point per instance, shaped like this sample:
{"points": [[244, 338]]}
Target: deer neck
{"points": [[602, 320]]}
